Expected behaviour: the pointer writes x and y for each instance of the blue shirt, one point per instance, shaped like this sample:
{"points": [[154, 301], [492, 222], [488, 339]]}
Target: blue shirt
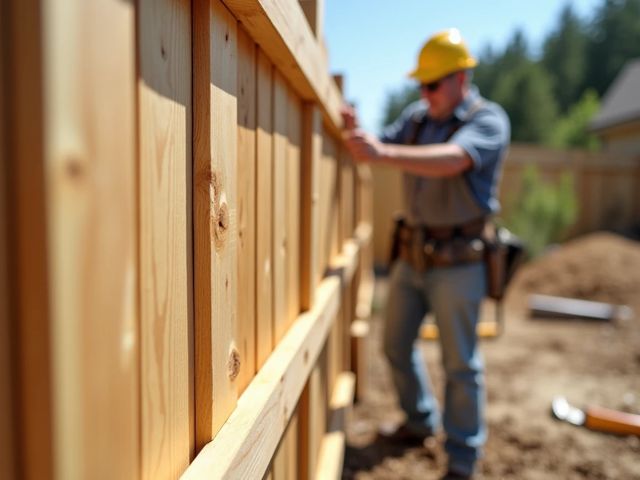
{"points": [[484, 135]]}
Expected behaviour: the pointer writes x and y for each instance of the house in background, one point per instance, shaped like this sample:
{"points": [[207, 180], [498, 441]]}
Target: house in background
{"points": [[618, 121]]}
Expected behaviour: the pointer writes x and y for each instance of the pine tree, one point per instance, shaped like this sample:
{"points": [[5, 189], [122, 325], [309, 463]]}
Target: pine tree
{"points": [[614, 40], [564, 57]]}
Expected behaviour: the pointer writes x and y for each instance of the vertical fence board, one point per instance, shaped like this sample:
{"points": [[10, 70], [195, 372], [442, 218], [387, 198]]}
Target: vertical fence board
{"points": [[285, 460], [246, 327], [304, 431], [165, 137], [28, 265], [91, 167], [347, 196], [314, 11], [264, 205], [318, 394], [310, 272], [7, 442], [335, 351], [294, 108], [329, 197], [215, 153], [279, 463], [280, 240], [291, 437]]}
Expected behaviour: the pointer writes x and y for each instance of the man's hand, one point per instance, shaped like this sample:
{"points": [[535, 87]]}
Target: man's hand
{"points": [[363, 146], [349, 117]]}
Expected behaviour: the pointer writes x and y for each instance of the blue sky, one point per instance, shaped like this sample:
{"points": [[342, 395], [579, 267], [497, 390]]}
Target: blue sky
{"points": [[374, 43]]}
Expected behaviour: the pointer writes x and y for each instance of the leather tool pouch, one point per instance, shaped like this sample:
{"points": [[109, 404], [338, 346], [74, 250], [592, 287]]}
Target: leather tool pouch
{"points": [[504, 253]]}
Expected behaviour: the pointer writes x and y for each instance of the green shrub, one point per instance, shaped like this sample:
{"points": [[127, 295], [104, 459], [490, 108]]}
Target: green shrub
{"points": [[543, 211]]}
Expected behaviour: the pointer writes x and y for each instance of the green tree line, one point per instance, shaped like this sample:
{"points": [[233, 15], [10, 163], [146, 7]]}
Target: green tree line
{"points": [[551, 98]]}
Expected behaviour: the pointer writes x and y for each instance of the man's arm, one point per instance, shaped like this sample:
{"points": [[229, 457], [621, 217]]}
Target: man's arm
{"points": [[435, 160]]}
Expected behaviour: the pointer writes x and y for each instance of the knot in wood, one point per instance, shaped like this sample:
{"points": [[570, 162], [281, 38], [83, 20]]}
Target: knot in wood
{"points": [[220, 221], [74, 167], [233, 365]]}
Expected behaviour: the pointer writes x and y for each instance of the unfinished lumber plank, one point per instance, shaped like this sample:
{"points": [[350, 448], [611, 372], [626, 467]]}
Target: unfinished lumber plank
{"points": [[90, 156], [304, 433], [310, 273], [365, 292], [347, 196], [246, 327], [319, 408], [331, 456], [291, 437], [334, 349], [264, 211], [28, 235], [75, 220], [166, 303], [314, 11], [7, 368], [359, 355], [313, 417], [215, 220], [329, 204], [293, 192], [364, 194], [279, 462], [282, 31], [281, 242], [346, 264], [245, 444], [285, 463]]}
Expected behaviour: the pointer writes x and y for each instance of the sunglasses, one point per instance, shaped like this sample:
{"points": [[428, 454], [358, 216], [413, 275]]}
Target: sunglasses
{"points": [[433, 86]]}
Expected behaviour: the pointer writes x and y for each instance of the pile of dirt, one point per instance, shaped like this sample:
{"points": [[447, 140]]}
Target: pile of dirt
{"points": [[601, 267], [588, 362]]}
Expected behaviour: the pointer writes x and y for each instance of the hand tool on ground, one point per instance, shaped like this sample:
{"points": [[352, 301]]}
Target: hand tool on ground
{"points": [[559, 307], [596, 418]]}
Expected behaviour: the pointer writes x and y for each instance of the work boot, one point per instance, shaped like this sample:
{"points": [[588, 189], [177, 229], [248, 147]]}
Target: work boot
{"points": [[403, 435]]}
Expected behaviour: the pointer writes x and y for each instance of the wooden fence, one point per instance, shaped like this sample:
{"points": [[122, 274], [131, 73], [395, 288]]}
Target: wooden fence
{"points": [[607, 188], [184, 244], [607, 185]]}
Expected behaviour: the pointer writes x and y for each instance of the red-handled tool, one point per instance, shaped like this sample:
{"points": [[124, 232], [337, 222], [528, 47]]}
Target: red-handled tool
{"points": [[596, 418]]}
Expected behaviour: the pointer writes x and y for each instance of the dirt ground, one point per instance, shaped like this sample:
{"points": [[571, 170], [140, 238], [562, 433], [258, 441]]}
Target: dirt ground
{"points": [[589, 362]]}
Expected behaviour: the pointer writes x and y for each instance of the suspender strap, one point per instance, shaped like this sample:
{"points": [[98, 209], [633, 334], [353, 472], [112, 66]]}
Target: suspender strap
{"points": [[420, 119]]}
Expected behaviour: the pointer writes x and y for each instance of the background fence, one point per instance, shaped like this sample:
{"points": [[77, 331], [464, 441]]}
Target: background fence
{"points": [[183, 242], [607, 188]]}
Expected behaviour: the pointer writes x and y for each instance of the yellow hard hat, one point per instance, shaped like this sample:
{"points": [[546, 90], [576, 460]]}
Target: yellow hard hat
{"points": [[444, 53]]}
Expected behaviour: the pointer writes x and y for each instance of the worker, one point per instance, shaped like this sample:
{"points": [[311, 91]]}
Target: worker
{"points": [[450, 146]]}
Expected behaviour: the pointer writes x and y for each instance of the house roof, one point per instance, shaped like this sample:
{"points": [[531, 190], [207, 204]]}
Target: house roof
{"points": [[621, 101]]}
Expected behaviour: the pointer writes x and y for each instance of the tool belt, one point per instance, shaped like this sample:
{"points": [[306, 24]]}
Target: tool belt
{"points": [[424, 247]]}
